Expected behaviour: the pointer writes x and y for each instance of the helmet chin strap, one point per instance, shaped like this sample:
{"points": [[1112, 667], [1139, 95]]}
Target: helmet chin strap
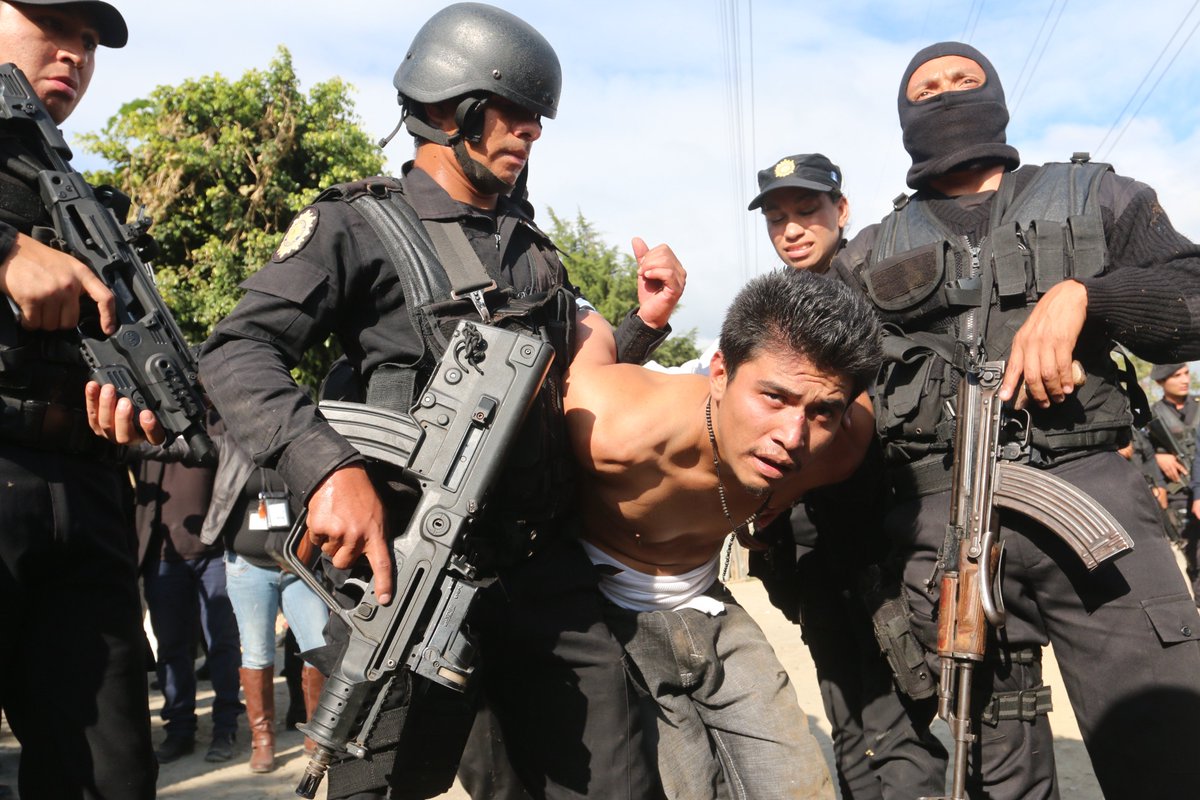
{"points": [[482, 178], [469, 117]]}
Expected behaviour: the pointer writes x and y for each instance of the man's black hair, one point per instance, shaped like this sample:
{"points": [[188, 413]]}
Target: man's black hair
{"points": [[796, 311]]}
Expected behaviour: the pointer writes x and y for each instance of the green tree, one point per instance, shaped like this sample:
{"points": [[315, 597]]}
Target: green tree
{"points": [[608, 279], [222, 167], [678, 349]]}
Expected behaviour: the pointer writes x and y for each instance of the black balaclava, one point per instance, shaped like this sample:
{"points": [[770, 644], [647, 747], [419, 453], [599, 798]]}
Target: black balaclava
{"points": [[953, 129]]}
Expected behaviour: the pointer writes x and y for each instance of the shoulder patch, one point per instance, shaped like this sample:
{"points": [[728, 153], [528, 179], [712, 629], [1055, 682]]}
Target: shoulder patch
{"points": [[298, 234]]}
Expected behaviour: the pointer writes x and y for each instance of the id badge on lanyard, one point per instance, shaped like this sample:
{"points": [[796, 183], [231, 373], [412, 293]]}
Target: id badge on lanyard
{"points": [[272, 514]]}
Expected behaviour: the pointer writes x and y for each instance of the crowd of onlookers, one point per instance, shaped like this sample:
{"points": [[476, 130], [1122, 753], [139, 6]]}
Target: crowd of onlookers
{"points": [[205, 536]]}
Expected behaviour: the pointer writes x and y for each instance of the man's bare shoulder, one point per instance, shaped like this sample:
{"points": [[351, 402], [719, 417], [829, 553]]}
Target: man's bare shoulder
{"points": [[620, 415]]}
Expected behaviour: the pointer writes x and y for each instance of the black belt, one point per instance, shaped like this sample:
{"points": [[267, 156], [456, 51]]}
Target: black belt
{"points": [[930, 475], [52, 426]]}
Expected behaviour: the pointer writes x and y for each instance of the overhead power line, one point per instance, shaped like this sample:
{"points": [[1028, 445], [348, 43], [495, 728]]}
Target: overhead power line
{"points": [[1020, 91], [1033, 47], [976, 9], [1102, 154], [739, 100]]}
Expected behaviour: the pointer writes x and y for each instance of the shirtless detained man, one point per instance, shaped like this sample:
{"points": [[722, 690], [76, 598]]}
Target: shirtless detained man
{"points": [[668, 477]]}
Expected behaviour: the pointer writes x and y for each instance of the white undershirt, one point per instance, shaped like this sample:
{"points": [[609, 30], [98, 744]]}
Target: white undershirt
{"points": [[641, 591]]}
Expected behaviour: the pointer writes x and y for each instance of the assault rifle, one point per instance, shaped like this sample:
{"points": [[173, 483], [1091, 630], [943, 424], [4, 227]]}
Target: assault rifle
{"points": [[1165, 440], [147, 358], [451, 446], [1162, 438], [1174, 519], [986, 479]]}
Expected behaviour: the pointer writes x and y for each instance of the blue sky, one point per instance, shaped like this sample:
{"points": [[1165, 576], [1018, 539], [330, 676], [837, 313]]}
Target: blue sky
{"points": [[644, 143]]}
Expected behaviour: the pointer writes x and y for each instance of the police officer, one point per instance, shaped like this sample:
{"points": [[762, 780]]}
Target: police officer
{"points": [[72, 670], [821, 559], [1140, 451], [474, 86], [1177, 417], [1037, 266]]}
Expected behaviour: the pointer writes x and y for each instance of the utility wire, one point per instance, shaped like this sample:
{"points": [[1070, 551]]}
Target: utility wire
{"points": [[1145, 78], [728, 63], [967, 22], [1165, 70], [1037, 61], [731, 39], [969, 28], [736, 130], [753, 126], [1033, 46]]}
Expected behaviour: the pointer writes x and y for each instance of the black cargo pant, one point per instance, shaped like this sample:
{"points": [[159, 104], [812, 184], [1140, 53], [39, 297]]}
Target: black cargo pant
{"points": [[1189, 538], [880, 750], [561, 719], [1126, 637], [558, 717], [72, 650]]}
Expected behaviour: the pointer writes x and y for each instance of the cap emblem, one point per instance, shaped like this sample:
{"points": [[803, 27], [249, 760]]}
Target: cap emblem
{"points": [[784, 168]]}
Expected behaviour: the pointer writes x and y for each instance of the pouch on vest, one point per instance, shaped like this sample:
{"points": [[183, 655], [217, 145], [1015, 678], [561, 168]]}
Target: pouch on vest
{"points": [[912, 376], [916, 284]]}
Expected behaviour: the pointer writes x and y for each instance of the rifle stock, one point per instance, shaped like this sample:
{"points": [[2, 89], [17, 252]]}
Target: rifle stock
{"points": [[971, 560], [147, 358], [452, 446]]}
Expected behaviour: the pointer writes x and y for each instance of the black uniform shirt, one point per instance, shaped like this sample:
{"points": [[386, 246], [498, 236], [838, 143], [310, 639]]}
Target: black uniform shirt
{"points": [[336, 279], [52, 368], [1183, 423], [20, 206]]}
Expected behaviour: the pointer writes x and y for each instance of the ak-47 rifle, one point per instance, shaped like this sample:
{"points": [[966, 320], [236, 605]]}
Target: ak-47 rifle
{"points": [[452, 445], [970, 560], [147, 358]]}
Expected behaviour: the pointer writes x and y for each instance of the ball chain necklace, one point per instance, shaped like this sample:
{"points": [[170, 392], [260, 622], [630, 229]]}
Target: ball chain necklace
{"points": [[740, 532]]}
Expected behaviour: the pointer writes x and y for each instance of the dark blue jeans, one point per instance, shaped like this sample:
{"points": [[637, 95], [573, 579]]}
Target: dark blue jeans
{"points": [[181, 594]]}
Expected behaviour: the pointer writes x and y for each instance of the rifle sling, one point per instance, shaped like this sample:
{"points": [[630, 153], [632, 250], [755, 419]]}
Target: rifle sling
{"points": [[468, 277]]}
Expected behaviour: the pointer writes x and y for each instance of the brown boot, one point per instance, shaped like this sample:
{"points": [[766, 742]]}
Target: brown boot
{"points": [[312, 682], [259, 688]]}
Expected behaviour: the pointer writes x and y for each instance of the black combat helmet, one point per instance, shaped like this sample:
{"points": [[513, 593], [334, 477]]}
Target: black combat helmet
{"points": [[473, 48], [469, 52]]}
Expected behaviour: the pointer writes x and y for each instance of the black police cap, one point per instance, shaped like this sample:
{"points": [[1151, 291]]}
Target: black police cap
{"points": [[807, 171], [1163, 371], [108, 21]]}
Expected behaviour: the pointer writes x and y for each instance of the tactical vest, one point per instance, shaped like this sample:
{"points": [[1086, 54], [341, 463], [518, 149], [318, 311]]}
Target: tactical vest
{"points": [[1184, 430], [941, 295], [444, 282]]}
